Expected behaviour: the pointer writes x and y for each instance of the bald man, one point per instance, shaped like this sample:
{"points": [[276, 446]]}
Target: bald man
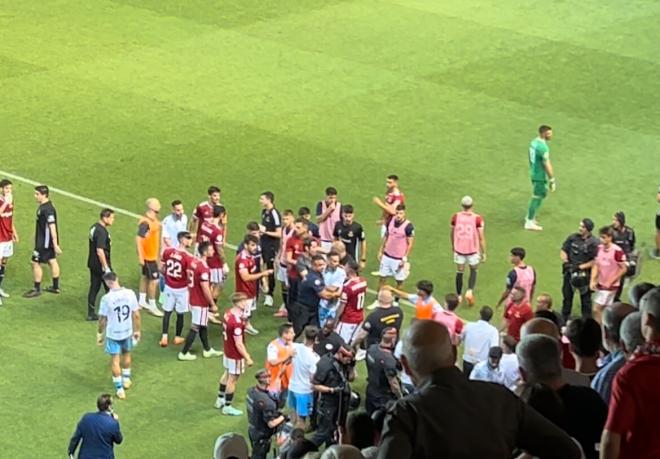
{"points": [[384, 315], [447, 416], [549, 328], [147, 241]]}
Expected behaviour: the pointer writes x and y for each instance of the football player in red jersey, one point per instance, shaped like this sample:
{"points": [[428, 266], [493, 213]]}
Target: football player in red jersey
{"points": [[174, 264], [201, 301], [393, 198], [248, 275], [350, 313], [236, 354], [214, 231], [204, 212], [8, 234]]}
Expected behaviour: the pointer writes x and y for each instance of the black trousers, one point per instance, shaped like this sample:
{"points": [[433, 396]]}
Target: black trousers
{"points": [[328, 414], [268, 256], [467, 368], [260, 445], [303, 315], [95, 283], [568, 292]]}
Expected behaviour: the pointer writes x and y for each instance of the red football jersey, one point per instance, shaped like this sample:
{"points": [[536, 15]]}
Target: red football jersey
{"points": [[295, 246], [393, 198], [245, 261], [216, 235], [203, 213], [352, 296], [198, 272], [6, 222], [175, 267], [233, 328]]}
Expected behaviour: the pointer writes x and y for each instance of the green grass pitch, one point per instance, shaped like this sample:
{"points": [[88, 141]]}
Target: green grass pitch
{"points": [[121, 100]]}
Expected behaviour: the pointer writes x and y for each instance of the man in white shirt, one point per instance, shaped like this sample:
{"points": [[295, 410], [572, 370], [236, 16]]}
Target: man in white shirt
{"points": [[172, 225], [301, 394], [489, 370], [334, 277], [509, 363], [478, 337], [119, 320]]}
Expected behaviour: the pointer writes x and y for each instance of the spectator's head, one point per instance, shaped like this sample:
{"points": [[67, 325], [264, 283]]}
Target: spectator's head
{"points": [[263, 378], [424, 288], [650, 309], [427, 347], [509, 344], [388, 337], [585, 337], [451, 301], [638, 291], [613, 316], [385, 298], [631, 333], [518, 295], [333, 260], [342, 452], [546, 401], [285, 331], [550, 315], [517, 255], [494, 356], [310, 332], [486, 313], [539, 357], [299, 448], [544, 302], [360, 430], [230, 446], [540, 326], [104, 402]]}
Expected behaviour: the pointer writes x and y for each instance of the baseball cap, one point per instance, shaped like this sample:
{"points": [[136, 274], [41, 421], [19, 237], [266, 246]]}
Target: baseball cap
{"points": [[495, 352], [229, 446], [467, 201]]}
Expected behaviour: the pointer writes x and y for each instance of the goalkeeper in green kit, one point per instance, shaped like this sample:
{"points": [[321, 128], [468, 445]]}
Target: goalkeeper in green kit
{"points": [[542, 175]]}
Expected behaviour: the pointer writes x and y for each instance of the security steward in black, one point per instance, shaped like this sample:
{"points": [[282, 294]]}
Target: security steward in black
{"points": [[332, 380], [270, 232], [624, 237], [578, 255], [383, 385], [263, 416], [311, 290], [98, 259]]}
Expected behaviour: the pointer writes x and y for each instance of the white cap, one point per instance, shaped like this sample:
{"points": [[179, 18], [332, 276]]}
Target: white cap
{"points": [[467, 201]]}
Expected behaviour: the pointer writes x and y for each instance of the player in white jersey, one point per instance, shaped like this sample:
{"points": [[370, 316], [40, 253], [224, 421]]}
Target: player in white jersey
{"points": [[119, 321]]}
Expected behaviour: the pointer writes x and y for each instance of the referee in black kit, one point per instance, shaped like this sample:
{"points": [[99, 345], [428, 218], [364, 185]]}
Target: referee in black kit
{"points": [[270, 230], [98, 259]]}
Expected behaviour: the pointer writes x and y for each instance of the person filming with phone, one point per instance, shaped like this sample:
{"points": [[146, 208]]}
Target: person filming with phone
{"points": [[98, 431]]}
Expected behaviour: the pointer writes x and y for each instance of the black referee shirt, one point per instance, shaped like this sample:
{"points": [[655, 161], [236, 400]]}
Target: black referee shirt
{"points": [[46, 215], [272, 221], [351, 235], [99, 238], [580, 250]]}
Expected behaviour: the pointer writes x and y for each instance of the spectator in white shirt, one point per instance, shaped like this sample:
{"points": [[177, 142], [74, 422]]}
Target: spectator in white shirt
{"points": [[478, 337], [301, 393], [173, 224], [509, 363], [406, 381], [489, 370]]}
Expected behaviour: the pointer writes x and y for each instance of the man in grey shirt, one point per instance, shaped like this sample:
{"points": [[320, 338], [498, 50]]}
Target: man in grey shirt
{"points": [[450, 416]]}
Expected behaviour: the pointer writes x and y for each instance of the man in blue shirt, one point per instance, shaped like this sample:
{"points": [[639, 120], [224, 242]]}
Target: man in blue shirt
{"points": [[98, 432], [310, 292], [613, 316]]}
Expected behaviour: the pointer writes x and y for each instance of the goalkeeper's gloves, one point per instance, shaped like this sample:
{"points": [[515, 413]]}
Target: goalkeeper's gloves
{"points": [[553, 184]]}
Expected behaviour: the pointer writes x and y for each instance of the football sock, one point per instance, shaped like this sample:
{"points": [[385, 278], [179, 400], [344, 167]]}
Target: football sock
{"points": [[143, 298], [179, 324], [2, 273], [228, 399], [459, 282], [190, 339], [534, 205], [56, 282], [37, 286], [152, 303], [166, 322], [473, 279], [116, 380], [204, 336], [221, 390], [126, 373]]}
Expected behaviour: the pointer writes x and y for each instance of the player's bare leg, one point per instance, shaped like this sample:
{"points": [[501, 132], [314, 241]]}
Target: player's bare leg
{"points": [[597, 312], [37, 275], [226, 394], [126, 370], [116, 376], [55, 275], [216, 292]]}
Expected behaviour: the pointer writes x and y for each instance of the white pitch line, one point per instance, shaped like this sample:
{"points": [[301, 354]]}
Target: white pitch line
{"points": [[93, 202]]}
